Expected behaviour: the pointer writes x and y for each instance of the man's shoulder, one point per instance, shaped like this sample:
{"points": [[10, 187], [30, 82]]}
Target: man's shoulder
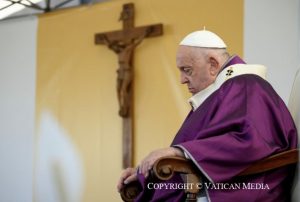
{"points": [[245, 84], [244, 80], [248, 78]]}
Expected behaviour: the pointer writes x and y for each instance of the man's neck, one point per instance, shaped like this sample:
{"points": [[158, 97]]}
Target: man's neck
{"points": [[234, 59]]}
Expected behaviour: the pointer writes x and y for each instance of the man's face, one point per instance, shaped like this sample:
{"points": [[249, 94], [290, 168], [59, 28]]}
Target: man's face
{"points": [[194, 68]]}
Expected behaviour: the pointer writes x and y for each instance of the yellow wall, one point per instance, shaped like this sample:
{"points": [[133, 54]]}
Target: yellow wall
{"points": [[76, 79]]}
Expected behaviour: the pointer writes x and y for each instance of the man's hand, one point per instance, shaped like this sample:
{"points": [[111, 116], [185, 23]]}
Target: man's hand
{"points": [[128, 175], [147, 163]]}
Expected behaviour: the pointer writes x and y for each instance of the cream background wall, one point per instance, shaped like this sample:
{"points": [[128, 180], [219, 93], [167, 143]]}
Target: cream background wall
{"points": [[76, 79], [17, 108], [272, 38]]}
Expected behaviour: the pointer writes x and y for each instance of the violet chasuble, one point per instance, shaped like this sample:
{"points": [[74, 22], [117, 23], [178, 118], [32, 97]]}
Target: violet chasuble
{"points": [[241, 120]]}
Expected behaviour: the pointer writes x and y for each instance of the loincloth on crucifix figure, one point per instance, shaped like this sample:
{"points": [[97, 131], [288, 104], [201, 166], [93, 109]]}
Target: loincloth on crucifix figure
{"points": [[125, 69]]}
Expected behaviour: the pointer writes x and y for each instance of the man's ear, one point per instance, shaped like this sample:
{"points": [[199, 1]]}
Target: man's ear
{"points": [[214, 66]]}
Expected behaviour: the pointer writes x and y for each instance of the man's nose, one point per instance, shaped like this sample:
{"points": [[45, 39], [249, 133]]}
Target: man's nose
{"points": [[183, 79]]}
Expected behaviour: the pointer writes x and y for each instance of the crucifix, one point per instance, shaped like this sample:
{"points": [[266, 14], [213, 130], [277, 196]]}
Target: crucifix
{"points": [[123, 43]]}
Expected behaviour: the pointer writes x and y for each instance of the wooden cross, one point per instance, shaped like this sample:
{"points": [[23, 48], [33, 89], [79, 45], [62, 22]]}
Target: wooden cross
{"points": [[123, 43]]}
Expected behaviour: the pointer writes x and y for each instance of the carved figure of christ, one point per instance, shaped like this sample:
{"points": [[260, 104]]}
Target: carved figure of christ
{"points": [[123, 43]]}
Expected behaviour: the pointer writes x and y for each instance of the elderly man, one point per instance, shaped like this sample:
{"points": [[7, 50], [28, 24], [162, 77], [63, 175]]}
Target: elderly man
{"points": [[236, 119]]}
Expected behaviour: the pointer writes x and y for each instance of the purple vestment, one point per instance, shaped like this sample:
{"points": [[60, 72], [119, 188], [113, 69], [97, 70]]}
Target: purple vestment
{"points": [[240, 123]]}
